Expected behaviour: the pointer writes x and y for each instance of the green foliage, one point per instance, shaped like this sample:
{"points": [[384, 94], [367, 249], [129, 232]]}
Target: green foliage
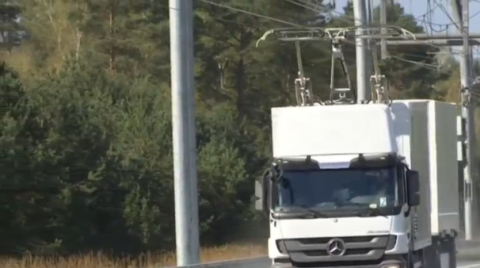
{"points": [[85, 133]]}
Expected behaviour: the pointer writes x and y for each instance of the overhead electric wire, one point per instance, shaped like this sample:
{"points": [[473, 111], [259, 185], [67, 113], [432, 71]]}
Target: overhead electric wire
{"points": [[352, 21], [445, 11], [429, 18], [253, 14], [316, 10], [422, 64]]}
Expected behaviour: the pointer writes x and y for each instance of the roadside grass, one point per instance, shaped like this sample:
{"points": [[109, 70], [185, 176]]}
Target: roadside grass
{"points": [[99, 260]]}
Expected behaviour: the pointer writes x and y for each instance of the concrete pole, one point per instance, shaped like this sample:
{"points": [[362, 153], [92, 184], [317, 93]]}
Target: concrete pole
{"points": [[183, 123], [383, 21], [363, 76], [462, 19]]}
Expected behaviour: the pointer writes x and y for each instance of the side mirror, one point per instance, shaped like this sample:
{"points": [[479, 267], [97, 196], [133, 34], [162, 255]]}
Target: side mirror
{"points": [[413, 186], [259, 198], [261, 194]]}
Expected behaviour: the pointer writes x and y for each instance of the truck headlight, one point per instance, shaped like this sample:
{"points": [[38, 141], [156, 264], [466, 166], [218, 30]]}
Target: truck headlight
{"points": [[392, 266]]}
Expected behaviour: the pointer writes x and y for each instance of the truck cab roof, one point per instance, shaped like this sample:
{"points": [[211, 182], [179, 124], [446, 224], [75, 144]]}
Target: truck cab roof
{"points": [[332, 130]]}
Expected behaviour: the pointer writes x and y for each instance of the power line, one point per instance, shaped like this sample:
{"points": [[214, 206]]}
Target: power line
{"points": [[429, 18], [310, 7], [445, 11], [422, 64], [317, 9], [253, 14]]}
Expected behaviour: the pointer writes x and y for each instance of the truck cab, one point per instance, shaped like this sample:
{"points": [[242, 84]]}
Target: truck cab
{"points": [[352, 186], [353, 212]]}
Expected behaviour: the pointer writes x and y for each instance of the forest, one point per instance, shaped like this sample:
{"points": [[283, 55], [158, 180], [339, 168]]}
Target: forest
{"points": [[85, 119]]}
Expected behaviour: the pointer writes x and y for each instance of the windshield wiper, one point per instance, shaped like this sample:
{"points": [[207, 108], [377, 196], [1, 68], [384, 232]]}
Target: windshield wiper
{"points": [[306, 213], [309, 212], [372, 212], [353, 205]]}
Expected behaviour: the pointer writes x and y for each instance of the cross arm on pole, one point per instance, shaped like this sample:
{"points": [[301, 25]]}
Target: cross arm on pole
{"points": [[438, 42]]}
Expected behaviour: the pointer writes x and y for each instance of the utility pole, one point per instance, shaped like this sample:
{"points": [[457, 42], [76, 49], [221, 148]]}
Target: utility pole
{"points": [[468, 113], [363, 73], [370, 45], [183, 122], [383, 21]]}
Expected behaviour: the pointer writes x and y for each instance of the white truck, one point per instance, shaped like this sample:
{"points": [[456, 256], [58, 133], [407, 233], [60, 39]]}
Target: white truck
{"points": [[364, 185]]}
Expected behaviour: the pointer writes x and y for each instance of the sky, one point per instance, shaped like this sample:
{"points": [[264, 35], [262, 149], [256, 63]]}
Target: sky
{"points": [[419, 9]]}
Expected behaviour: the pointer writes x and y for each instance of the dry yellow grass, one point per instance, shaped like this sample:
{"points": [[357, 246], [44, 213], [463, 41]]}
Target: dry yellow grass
{"points": [[226, 252]]}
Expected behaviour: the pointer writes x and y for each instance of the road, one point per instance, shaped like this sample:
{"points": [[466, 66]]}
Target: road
{"points": [[460, 264], [263, 262], [468, 264]]}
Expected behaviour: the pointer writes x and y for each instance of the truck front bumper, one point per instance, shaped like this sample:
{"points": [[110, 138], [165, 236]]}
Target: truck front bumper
{"points": [[384, 264]]}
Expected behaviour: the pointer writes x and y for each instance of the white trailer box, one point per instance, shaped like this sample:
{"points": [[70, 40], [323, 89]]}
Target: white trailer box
{"points": [[426, 135]]}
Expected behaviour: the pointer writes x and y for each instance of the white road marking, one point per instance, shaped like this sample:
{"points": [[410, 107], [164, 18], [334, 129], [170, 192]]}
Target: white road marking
{"points": [[474, 265]]}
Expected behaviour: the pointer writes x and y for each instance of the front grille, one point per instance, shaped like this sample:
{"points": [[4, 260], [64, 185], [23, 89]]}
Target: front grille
{"points": [[310, 250], [355, 251]]}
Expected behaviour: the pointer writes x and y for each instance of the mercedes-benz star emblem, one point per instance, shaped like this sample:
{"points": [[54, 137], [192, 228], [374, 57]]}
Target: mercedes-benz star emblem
{"points": [[336, 247]]}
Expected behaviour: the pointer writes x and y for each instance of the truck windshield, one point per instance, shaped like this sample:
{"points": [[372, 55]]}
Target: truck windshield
{"points": [[341, 190]]}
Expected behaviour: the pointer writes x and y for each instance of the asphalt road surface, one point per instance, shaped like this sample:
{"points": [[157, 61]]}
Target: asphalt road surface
{"points": [[468, 264], [460, 264]]}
